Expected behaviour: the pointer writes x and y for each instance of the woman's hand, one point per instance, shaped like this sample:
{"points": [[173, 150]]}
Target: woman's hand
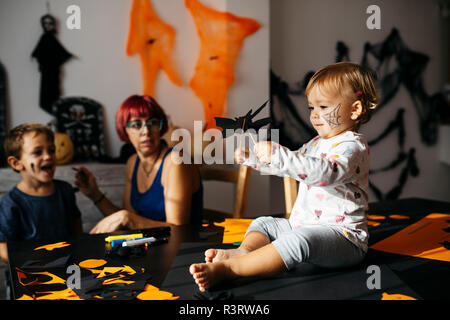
{"points": [[112, 222], [85, 181], [263, 151]]}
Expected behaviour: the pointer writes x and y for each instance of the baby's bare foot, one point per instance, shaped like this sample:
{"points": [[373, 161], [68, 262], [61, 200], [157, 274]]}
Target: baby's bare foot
{"points": [[208, 274], [216, 255]]}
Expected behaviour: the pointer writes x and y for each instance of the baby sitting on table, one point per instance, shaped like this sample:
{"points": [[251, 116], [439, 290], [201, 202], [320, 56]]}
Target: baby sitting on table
{"points": [[328, 224]]}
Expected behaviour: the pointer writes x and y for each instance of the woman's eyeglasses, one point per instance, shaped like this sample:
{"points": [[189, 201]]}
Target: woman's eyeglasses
{"points": [[154, 125]]}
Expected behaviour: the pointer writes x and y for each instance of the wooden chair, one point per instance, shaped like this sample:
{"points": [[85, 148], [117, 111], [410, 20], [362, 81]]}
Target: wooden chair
{"points": [[290, 193], [240, 177]]}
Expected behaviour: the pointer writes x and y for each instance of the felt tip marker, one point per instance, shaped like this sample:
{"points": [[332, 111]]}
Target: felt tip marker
{"points": [[118, 242], [138, 242], [124, 236]]}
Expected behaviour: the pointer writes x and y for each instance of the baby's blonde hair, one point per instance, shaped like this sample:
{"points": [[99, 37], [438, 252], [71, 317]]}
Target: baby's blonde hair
{"points": [[351, 81]]}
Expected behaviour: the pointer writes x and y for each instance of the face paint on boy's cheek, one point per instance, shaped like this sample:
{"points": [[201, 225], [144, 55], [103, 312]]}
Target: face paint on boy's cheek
{"points": [[32, 166], [332, 118]]}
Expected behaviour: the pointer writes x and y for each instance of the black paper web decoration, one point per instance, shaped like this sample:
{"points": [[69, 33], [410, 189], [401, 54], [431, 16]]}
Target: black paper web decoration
{"points": [[408, 71]]}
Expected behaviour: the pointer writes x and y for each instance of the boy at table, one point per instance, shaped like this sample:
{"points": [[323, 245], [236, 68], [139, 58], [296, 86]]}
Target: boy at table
{"points": [[38, 207]]}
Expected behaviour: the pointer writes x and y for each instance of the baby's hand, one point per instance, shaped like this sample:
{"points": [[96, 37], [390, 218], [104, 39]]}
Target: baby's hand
{"points": [[263, 151], [241, 154]]}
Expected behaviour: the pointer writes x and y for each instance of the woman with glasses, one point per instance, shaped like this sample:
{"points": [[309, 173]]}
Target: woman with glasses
{"points": [[158, 191]]}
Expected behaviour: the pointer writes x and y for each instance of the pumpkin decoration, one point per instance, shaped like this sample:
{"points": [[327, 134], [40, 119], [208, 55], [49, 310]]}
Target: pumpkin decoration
{"points": [[64, 148]]}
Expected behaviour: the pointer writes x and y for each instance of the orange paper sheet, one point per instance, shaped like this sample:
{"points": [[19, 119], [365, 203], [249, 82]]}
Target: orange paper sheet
{"points": [[221, 36], [235, 229], [153, 40], [424, 239]]}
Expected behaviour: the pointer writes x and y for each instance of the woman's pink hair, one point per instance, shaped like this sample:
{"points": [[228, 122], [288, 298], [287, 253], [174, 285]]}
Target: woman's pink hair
{"points": [[137, 106]]}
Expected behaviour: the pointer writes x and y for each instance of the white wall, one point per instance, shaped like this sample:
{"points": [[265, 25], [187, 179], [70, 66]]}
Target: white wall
{"points": [[102, 71], [304, 34], [299, 36]]}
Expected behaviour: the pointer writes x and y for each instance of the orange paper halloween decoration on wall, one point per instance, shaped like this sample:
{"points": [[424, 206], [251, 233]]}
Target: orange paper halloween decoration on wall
{"points": [[221, 35], [153, 40]]}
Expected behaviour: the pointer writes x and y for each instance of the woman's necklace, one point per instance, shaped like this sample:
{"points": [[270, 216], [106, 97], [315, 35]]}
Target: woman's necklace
{"points": [[153, 164]]}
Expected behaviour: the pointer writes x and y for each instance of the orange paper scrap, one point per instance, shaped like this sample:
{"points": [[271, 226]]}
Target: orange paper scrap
{"points": [[221, 36], [426, 238], [375, 217], [153, 40], [108, 270], [66, 294], [396, 296], [398, 217], [153, 293], [92, 263], [50, 247], [24, 276], [235, 229]]}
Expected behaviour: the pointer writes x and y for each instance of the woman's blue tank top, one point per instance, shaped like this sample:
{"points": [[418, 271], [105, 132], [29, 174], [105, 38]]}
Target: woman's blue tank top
{"points": [[150, 204]]}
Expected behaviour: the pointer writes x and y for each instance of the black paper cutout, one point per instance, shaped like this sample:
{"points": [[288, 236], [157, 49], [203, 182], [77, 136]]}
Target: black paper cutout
{"points": [[92, 287], [38, 265], [446, 244], [245, 122], [410, 65], [51, 55], [210, 296]]}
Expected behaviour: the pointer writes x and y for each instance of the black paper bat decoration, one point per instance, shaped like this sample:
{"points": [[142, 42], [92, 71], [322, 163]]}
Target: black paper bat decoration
{"points": [[244, 123]]}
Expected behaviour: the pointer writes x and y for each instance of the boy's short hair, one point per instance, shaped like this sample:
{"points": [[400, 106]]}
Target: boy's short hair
{"points": [[350, 80], [14, 140]]}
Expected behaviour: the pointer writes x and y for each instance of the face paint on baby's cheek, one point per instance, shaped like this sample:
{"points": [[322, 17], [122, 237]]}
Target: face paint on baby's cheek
{"points": [[32, 167], [332, 118]]}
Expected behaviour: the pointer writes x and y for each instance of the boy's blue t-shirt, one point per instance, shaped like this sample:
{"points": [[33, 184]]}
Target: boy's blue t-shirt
{"points": [[25, 217]]}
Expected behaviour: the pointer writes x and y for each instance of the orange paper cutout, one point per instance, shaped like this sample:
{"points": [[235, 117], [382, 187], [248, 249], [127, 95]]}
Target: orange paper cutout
{"points": [[22, 276], [423, 239], [66, 294], [108, 270], [92, 263], [396, 296], [221, 35], [375, 217], [153, 40], [235, 229], [118, 279], [153, 293], [398, 217], [50, 247], [373, 223]]}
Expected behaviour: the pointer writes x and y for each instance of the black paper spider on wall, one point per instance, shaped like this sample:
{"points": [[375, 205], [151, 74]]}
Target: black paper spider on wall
{"points": [[410, 65]]}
